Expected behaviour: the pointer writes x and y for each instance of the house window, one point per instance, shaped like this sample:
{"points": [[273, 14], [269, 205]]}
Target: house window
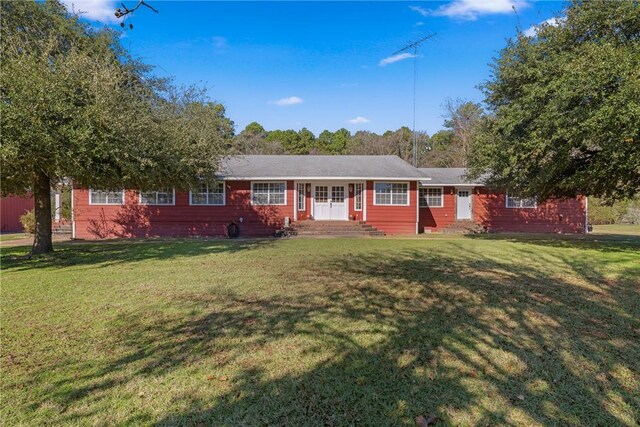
{"points": [[521, 202], [208, 194], [165, 196], [357, 197], [268, 193], [302, 198], [431, 197], [391, 193], [103, 197]]}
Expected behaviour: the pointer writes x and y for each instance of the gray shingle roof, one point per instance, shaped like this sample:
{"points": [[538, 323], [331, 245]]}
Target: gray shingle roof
{"points": [[318, 167], [447, 176]]}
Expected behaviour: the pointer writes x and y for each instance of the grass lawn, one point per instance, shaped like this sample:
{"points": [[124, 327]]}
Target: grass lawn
{"points": [[482, 330], [624, 229], [5, 237]]}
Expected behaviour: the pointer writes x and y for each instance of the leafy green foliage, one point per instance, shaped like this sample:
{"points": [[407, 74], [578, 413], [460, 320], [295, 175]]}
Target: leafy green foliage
{"points": [[76, 105], [566, 107]]}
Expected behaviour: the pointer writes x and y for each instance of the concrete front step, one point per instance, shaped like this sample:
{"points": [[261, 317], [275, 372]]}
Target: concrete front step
{"points": [[334, 228]]}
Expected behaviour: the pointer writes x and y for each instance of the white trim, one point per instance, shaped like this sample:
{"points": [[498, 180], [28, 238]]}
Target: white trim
{"points": [[73, 216], [375, 201], [56, 214], [269, 182], [124, 199], [304, 192], [418, 208], [224, 197], [441, 197], [444, 184], [318, 178], [156, 204], [361, 196], [506, 202], [586, 214]]}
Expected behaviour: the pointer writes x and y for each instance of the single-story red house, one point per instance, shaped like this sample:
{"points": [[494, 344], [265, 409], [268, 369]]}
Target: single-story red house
{"points": [[260, 194]]}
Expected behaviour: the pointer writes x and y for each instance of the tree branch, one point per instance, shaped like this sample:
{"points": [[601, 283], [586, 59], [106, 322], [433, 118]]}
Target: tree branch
{"points": [[120, 13]]}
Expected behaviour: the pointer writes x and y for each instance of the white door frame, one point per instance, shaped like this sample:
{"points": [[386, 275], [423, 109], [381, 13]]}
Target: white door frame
{"points": [[329, 184], [470, 190]]}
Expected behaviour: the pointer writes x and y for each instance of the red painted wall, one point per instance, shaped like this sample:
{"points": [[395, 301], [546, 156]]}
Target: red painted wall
{"points": [[490, 211], [11, 208], [438, 218], [392, 219], [551, 216], [135, 220]]}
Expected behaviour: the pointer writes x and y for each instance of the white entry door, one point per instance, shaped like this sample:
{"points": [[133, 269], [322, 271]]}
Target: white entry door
{"points": [[463, 205], [329, 202]]}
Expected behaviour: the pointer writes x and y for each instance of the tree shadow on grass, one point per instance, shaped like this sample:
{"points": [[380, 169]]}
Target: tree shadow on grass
{"points": [[377, 341], [108, 253], [601, 242]]}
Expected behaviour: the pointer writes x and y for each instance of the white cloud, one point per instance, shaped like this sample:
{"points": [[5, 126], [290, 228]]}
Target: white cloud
{"points": [[418, 24], [421, 10], [532, 31], [471, 9], [284, 102], [358, 120], [396, 58], [219, 42], [94, 10]]}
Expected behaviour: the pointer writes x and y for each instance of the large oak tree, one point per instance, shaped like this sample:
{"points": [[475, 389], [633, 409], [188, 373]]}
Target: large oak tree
{"points": [[565, 106], [76, 106]]}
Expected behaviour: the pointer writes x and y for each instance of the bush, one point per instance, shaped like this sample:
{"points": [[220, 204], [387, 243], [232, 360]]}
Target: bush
{"points": [[28, 221]]}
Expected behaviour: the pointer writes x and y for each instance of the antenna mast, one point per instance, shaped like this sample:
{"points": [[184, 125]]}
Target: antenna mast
{"points": [[413, 46]]}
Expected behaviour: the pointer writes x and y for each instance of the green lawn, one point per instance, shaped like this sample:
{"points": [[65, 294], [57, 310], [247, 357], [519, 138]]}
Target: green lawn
{"points": [[482, 330], [624, 229], [13, 236]]}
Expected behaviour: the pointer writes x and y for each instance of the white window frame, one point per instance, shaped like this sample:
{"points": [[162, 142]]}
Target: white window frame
{"points": [[375, 194], [224, 196], [173, 199], [270, 204], [355, 195], [520, 200], [426, 201], [304, 196], [91, 202]]}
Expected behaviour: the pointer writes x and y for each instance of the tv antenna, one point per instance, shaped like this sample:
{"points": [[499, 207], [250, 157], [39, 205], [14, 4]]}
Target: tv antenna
{"points": [[412, 47]]}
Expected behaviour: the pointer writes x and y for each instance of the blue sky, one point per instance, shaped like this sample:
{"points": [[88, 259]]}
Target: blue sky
{"points": [[320, 65]]}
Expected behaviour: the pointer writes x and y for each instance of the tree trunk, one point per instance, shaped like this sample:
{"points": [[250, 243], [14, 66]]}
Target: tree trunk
{"points": [[42, 242]]}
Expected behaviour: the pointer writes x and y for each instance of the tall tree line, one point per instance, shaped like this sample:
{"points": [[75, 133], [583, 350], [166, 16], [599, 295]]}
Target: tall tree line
{"points": [[449, 147]]}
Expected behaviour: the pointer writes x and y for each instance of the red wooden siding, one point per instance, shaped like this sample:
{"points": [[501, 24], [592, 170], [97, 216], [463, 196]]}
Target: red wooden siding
{"points": [[434, 218], [552, 216], [392, 219], [181, 219], [489, 210], [11, 208]]}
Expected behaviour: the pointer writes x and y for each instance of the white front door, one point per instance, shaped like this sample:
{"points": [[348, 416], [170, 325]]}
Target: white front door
{"points": [[463, 205], [329, 202]]}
